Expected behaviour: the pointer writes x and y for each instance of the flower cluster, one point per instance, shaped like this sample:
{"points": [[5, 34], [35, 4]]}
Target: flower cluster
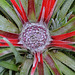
{"points": [[36, 36]]}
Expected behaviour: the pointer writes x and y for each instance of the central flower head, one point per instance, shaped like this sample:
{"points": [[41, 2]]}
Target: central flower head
{"points": [[35, 37]]}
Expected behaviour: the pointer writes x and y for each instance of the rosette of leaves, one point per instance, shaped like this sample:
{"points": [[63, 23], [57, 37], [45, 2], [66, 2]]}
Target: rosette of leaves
{"points": [[17, 60]]}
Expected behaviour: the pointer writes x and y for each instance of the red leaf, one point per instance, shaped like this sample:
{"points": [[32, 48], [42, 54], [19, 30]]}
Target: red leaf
{"points": [[17, 7], [13, 41], [6, 45], [19, 10], [8, 35], [40, 66], [63, 45], [31, 9], [34, 64], [23, 12], [51, 63], [63, 36], [49, 6], [53, 4], [43, 5], [61, 42]]}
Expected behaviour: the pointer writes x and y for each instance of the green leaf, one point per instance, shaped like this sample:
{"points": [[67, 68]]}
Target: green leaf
{"points": [[10, 72], [6, 25], [58, 22], [64, 59], [36, 72], [8, 65], [7, 52], [57, 8], [26, 67], [64, 28], [2, 72], [64, 68], [46, 70], [72, 9], [65, 8], [16, 53], [1, 69], [38, 4], [5, 14], [17, 2], [58, 5], [49, 61], [25, 5], [11, 12]]}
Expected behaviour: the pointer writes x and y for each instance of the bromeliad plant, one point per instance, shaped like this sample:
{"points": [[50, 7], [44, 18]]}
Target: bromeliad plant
{"points": [[38, 39]]}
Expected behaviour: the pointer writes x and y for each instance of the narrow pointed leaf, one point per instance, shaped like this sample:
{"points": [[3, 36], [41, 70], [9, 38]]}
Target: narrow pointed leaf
{"points": [[4, 53], [58, 5], [61, 42], [25, 5], [26, 67], [6, 45], [17, 2], [64, 68], [65, 8], [53, 4], [63, 36], [35, 63], [64, 59], [8, 65], [72, 9], [7, 52], [36, 72], [8, 35], [38, 4], [65, 28], [22, 20], [6, 25], [5, 14], [11, 12], [46, 70], [23, 12], [48, 8], [16, 53], [52, 65], [40, 66], [44, 2], [13, 41], [31, 10], [17, 7], [66, 46]]}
